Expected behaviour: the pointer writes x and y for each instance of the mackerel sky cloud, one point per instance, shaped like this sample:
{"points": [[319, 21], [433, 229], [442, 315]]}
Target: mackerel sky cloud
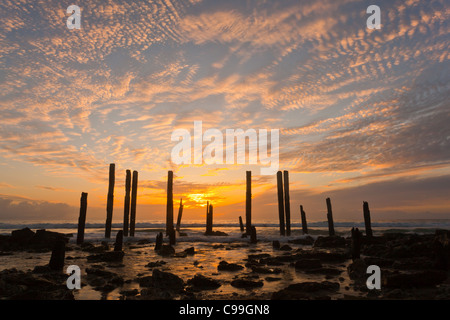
{"points": [[361, 112]]}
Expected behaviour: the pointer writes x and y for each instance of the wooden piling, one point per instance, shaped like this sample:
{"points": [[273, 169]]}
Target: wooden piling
{"points": [[58, 254], [110, 200], [304, 224], [119, 241], [241, 224], [172, 237], [126, 208], [356, 244], [280, 202], [287, 204], [367, 221], [134, 187], [330, 218], [159, 241], [253, 238], [169, 207], [248, 203], [180, 213], [209, 219], [82, 218]]}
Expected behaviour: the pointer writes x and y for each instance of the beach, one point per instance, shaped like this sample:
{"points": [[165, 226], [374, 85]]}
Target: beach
{"points": [[200, 267]]}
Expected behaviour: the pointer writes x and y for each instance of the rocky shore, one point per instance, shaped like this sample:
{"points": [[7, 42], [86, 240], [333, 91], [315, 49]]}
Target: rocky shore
{"points": [[412, 266]]}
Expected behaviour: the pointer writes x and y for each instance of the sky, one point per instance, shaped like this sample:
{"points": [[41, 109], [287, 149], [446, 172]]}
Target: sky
{"points": [[363, 114]]}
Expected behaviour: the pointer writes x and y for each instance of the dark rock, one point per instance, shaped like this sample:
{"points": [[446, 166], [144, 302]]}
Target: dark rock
{"points": [[324, 271], [427, 278], [146, 281], [225, 266], [271, 279], [190, 251], [246, 283], [263, 270], [285, 248], [303, 241], [258, 256], [166, 250], [203, 283], [23, 235], [357, 270], [276, 244], [216, 233], [381, 262], [330, 242], [166, 280], [158, 263], [107, 256], [308, 264], [307, 290]]}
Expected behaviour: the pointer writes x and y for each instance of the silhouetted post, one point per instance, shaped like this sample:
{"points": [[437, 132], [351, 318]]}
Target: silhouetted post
{"points": [[82, 218], [172, 237], [58, 254], [304, 224], [169, 208], [180, 213], [330, 218], [126, 208], [356, 244], [280, 201], [209, 219], [241, 224], [159, 241], [367, 222], [134, 187], [287, 203], [253, 238], [248, 203], [119, 241], [110, 201]]}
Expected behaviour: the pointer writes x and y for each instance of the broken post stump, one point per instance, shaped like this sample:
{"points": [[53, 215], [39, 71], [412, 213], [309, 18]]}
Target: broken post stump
{"points": [[126, 208], [110, 200], [287, 204], [367, 221], [330, 218], [119, 241], [180, 213], [253, 238], [356, 244], [134, 187], [304, 224], [248, 202], [172, 237], [241, 224], [159, 241], [169, 206], [82, 218], [280, 202], [58, 254]]}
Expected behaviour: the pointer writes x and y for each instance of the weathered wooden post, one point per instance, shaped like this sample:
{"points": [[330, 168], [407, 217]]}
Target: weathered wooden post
{"points": [[367, 221], [180, 213], [119, 241], [253, 238], [134, 187], [330, 218], [241, 224], [159, 241], [172, 237], [304, 224], [58, 254], [82, 218], [209, 219], [248, 203], [356, 244], [287, 203], [126, 208], [280, 202], [110, 200], [169, 207]]}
